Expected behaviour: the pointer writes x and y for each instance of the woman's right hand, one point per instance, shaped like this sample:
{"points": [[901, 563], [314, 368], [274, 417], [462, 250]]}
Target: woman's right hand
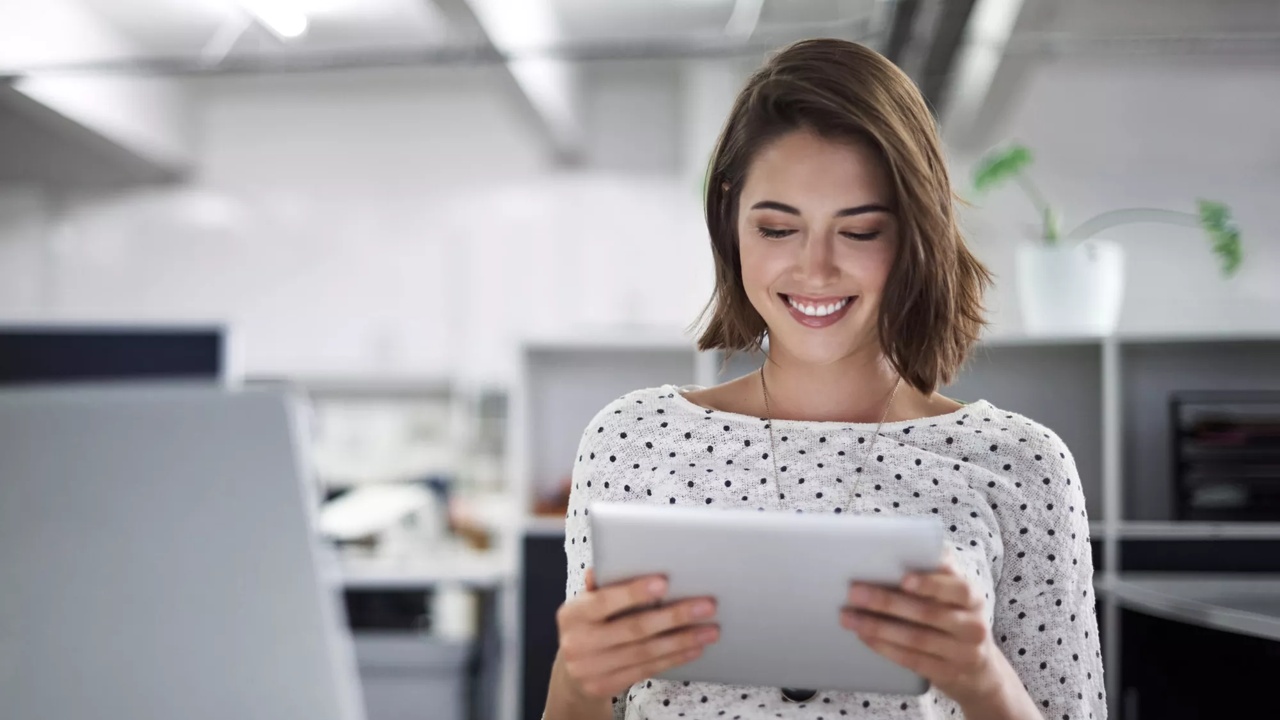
{"points": [[603, 654]]}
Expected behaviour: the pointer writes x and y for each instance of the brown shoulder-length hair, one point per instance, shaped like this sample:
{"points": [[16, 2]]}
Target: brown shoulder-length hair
{"points": [[931, 313]]}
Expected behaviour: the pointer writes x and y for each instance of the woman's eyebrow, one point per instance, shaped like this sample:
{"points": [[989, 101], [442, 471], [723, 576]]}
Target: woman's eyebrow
{"points": [[846, 212]]}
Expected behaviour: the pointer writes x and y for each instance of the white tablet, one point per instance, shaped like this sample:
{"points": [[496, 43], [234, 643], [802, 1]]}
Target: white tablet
{"points": [[780, 580]]}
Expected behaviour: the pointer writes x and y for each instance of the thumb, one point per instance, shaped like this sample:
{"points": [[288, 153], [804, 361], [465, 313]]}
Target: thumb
{"points": [[591, 580]]}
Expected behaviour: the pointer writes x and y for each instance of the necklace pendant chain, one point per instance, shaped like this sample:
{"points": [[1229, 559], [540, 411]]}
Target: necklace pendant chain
{"points": [[773, 450]]}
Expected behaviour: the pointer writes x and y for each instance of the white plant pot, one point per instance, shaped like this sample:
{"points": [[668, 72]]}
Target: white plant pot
{"points": [[1070, 287]]}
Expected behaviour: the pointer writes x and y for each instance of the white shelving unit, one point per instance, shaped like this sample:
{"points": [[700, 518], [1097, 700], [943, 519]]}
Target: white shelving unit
{"points": [[389, 429], [442, 427], [1107, 397], [1156, 530]]}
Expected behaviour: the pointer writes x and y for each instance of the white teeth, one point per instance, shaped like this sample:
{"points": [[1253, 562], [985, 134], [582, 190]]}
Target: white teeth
{"points": [[818, 310]]}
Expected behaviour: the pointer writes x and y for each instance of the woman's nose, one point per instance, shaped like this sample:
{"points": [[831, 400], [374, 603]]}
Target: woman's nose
{"points": [[817, 260]]}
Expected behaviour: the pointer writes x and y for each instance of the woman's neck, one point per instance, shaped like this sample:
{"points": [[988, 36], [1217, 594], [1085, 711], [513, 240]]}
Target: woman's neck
{"points": [[855, 389]]}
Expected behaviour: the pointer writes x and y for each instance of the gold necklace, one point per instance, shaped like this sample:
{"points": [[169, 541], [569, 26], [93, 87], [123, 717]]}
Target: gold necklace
{"points": [[773, 450]]}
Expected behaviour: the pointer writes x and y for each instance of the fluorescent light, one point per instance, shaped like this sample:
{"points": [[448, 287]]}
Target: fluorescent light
{"points": [[282, 17]]}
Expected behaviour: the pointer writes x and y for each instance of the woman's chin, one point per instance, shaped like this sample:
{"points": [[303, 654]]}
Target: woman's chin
{"points": [[817, 353]]}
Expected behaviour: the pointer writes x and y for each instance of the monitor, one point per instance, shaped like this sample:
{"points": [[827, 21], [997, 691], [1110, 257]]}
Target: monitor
{"points": [[56, 354]]}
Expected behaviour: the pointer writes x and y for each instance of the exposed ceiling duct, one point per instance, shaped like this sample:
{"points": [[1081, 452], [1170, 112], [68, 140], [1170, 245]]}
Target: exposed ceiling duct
{"points": [[924, 39], [548, 87]]}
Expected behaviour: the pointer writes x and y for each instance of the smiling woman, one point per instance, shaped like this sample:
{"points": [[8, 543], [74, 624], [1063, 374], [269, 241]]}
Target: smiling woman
{"points": [[831, 219], [830, 141]]}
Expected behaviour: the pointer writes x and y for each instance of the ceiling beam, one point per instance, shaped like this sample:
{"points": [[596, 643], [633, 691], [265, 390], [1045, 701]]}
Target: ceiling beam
{"points": [[986, 78], [949, 29], [901, 22], [548, 87]]}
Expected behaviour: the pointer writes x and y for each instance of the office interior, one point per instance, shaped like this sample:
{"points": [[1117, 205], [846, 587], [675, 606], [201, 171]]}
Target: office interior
{"points": [[450, 231]]}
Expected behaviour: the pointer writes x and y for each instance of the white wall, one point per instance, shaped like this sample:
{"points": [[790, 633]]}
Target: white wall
{"points": [[23, 217], [381, 221], [407, 221]]}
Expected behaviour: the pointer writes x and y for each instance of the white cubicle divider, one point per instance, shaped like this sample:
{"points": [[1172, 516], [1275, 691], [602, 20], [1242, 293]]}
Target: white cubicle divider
{"points": [[159, 560]]}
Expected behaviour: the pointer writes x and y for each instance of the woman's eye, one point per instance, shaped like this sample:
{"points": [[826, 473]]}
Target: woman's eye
{"points": [[774, 233], [862, 236]]}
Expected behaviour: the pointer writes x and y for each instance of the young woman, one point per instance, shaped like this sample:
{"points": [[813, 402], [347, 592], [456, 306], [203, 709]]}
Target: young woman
{"points": [[831, 220]]}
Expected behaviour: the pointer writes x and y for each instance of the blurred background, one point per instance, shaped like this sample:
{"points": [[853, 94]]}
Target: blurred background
{"points": [[457, 228]]}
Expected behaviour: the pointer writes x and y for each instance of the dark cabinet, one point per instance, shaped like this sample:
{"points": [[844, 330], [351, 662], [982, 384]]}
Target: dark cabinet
{"points": [[545, 575], [1176, 671]]}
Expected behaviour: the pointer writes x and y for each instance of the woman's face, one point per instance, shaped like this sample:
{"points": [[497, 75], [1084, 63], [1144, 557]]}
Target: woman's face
{"points": [[817, 234]]}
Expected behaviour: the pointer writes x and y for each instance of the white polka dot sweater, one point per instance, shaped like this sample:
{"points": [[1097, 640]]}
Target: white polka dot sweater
{"points": [[1005, 487]]}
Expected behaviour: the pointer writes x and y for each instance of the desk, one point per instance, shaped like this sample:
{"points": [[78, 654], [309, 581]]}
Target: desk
{"points": [[1248, 605], [470, 568], [400, 668], [1195, 645]]}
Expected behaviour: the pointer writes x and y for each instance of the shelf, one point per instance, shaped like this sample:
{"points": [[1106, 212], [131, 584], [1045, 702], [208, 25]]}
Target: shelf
{"points": [[1136, 530], [1194, 338], [1156, 377], [646, 338], [1022, 340], [543, 526], [612, 338], [998, 341], [1244, 605], [354, 387], [478, 569], [1229, 454]]}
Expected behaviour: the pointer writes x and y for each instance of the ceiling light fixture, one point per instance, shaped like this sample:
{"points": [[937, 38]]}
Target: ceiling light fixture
{"points": [[284, 18]]}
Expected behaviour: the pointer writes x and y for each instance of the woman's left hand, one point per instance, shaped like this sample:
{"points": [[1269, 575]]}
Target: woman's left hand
{"points": [[932, 624]]}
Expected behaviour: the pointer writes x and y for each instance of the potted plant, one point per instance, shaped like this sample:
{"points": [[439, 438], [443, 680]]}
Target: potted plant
{"points": [[1073, 282]]}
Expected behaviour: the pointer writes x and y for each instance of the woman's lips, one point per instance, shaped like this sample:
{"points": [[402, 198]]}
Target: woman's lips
{"points": [[818, 312]]}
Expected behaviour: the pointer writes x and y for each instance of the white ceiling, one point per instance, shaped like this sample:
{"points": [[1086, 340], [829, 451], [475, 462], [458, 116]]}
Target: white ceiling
{"points": [[1165, 17], [183, 27], [585, 19]]}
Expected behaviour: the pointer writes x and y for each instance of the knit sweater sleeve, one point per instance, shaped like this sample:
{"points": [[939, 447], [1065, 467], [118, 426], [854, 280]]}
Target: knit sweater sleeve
{"points": [[1044, 619], [590, 470]]}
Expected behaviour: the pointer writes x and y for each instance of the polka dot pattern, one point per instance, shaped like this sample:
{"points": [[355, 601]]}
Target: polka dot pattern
{"points": [[1005, 487]]}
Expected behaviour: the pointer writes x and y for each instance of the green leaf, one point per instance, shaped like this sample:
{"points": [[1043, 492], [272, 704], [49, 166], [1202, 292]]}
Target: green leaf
{"points": [[998, 166], [1215, 218]]}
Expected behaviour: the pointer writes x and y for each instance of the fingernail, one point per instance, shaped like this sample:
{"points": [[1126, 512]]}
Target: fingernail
{"points": [[703, 609], [708, 635], [911, 582], [860, 594], [657, 587]]}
